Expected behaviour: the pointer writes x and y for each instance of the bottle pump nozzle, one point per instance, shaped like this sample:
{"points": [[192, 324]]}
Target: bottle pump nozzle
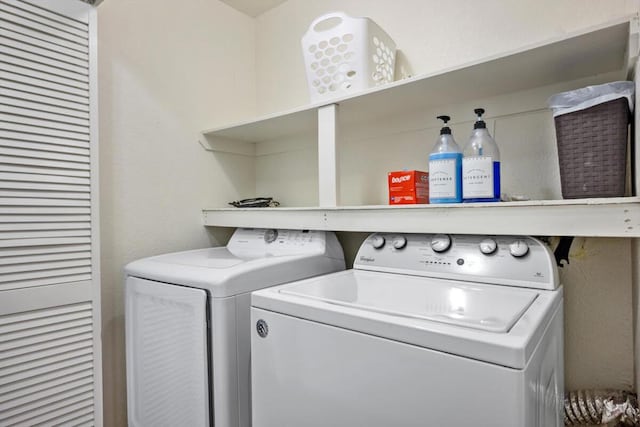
{"points": [[479, 124], [446, 130]]}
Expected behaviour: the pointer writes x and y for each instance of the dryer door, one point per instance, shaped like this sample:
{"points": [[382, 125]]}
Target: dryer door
{"points": [[167, 354]]}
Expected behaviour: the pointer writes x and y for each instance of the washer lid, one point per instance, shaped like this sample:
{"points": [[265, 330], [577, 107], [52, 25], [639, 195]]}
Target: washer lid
{"points": [[498, 324], [488, 308]]}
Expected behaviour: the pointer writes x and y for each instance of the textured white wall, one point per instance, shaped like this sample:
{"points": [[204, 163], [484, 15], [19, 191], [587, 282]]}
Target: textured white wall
{"points": [[167, 70]]}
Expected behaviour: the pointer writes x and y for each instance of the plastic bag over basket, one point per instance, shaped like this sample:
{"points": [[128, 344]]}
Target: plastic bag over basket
{"points": [[344, 55], [580, 99]]}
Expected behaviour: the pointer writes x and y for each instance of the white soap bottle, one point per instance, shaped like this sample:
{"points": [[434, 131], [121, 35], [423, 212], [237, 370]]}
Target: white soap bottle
{"points": [[445, 168]]}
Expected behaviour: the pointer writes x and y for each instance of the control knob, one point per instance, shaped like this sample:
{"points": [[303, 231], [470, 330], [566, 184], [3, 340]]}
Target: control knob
{"points": [[440, 242], [378, 241], [488, 246], [399, 242], [518, 248], [270, 235]]}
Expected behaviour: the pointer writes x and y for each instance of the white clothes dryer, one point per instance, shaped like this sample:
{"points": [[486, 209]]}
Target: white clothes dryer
{"points": [[187, 323], [425, 330]]}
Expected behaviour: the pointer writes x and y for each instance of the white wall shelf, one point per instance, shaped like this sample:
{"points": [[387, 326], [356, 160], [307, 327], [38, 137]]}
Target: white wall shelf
{"points": [[612, 47], [595, 51], [610, 217]]}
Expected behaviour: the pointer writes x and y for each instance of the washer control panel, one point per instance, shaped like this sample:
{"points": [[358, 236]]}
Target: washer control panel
{"points": [[511, 260]]}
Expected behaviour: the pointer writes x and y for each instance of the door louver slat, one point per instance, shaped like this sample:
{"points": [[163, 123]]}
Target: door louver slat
{"points": [[47, 281], [77, 378], [68, 415], [55, 19], [35, 170], [51, 94], [35, 226], [7, 279], [45, 148], [38, 36], [12, 34], [37, 130], [44, 54], [44, 123], [43, 377], [11, 14], [23, 77], [36, 108], [78, 195], [41, 201], [42, 242], [43, 258], [20, 348], [54, 390], [15, 219], [47, 116], [55, 210], [72, 421], [35, 266], [43, 179], [61, 349], [35, 160], [27, 65], [51, 408], [58, 248], [9, 135], [35, 61]]}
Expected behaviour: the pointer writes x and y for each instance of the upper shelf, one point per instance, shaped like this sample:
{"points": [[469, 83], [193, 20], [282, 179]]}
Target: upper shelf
{"points": [[594, 51], [610, 217]]}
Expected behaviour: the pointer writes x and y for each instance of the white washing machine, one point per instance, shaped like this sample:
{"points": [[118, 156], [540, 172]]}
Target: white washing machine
{"points": [[188, 323], [425, 330]]}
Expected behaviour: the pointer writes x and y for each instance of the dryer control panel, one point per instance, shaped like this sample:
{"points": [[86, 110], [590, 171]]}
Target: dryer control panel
{"points": [[507, 260], [261, 242]]}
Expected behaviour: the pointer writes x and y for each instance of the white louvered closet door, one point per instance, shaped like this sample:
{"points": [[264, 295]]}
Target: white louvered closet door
{"points": [[50, 353]]}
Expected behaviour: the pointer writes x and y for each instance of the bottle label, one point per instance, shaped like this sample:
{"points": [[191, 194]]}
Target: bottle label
{"points": [[477, 177], [442, 178]]}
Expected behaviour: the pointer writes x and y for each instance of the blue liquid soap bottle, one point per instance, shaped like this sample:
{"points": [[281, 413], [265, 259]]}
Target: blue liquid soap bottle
{"points": [[445, 168], [481, 165]]}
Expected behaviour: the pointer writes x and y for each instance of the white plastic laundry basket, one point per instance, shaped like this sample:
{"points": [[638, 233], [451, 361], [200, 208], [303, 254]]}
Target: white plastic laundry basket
{"points": [[345, 55]]}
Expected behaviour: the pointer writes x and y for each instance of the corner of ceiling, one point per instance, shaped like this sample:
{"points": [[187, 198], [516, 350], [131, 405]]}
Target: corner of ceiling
{"points": [[253, 8]]}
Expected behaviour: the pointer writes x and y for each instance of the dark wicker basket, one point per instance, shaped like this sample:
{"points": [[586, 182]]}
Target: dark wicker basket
{"points": [[592, 150]]}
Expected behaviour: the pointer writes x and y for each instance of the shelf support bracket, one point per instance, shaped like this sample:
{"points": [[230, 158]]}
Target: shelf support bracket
{"points": [[327, 159], [222, 145]]}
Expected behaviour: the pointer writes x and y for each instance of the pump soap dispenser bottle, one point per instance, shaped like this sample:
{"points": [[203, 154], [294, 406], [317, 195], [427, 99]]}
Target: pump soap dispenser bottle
{"points": [[445, 168], [481, 165]]}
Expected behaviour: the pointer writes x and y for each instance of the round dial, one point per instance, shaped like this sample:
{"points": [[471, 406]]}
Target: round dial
{"points": [[270, 235], [440, 242], [399, 242], [378, 241], [488, 246], [519, 248]]}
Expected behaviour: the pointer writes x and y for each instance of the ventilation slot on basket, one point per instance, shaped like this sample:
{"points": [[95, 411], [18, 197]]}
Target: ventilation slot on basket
{"points": [[384, 60]]}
